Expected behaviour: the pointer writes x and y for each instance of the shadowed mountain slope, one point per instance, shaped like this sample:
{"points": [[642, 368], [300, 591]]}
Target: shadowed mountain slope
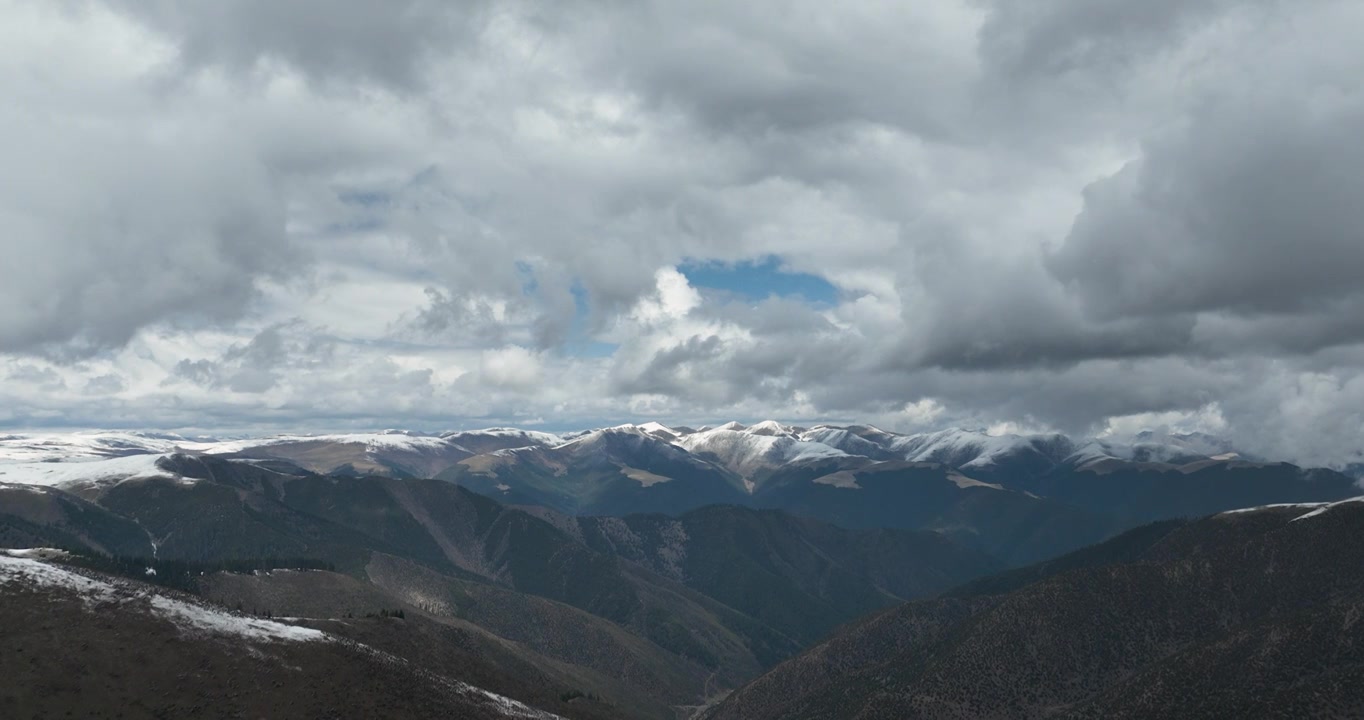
{"points": [[78, 643], [799, 576], [1236, 615], [591, 603]]}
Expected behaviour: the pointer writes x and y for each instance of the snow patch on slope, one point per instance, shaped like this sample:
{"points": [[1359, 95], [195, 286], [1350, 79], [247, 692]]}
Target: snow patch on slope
{"points": [[31, 572], [386, 440], [1315, 509], [16, 568], [1273, 506], [1327, 506], [39, 553], [198, 618], [510, 708], [195, 617], [89, 473], [33, 448]]}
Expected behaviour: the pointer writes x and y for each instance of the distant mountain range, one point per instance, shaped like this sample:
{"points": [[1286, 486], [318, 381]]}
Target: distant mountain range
{"points": [[633, 571], [1019, 498], [745, 450]]}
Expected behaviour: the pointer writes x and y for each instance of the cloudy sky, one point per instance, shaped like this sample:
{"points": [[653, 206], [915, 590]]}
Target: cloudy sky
{"points": [[1083, 215]]}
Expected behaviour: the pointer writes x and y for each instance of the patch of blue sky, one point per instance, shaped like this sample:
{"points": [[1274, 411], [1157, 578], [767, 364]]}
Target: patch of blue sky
{"points": [[364, 198], [367, 209], [529, 285], [591, 348], [580, 342], [759, 280], [360, 225]]}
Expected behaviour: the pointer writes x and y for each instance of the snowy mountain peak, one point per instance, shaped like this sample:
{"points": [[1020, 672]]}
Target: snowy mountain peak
{"points": [[744, 449], [661, 431], [746, 453], [771, 428], [979, 449], [625, 428], [614, 439], [652, 429], [533, 437]]}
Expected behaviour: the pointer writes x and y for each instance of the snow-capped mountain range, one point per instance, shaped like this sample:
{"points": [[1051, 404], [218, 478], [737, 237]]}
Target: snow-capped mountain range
{"points": [[746, 451], [1017, 497]]}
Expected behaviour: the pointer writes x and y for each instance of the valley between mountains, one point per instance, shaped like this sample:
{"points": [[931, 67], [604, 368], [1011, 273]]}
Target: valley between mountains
{"points": [[648, 571]]}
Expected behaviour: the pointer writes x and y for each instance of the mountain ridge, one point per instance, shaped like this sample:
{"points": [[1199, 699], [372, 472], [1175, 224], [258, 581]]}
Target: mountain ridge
{"points": [[457, 555], [1238, 614], [653, 577], [1021, 498]]}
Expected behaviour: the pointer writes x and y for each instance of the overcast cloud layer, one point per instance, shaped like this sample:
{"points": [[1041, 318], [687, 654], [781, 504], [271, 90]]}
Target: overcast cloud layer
{"points": [[1084, 215]]}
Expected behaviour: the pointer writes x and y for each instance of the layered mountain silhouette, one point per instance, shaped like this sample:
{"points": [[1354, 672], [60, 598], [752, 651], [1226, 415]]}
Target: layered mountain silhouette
{"points": [[1017, 498], [648, 571], [648, 612], [1242, 614]]}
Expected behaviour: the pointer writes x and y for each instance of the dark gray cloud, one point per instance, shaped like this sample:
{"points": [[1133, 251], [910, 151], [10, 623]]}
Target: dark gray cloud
{"points": [[751, 70], [1252, 209], [1058, 37], [137, 230], [466, 321], [387, 43]]}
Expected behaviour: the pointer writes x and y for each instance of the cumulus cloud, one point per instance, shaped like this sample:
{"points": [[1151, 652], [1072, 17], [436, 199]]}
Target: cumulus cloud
{"points": [[134, 194], [112, 214], [1070, 214], [255, 366], [1252, 209]]}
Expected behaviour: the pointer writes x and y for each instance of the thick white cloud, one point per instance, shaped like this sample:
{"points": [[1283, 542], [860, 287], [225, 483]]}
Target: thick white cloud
{"points": [[1079, 214]]}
